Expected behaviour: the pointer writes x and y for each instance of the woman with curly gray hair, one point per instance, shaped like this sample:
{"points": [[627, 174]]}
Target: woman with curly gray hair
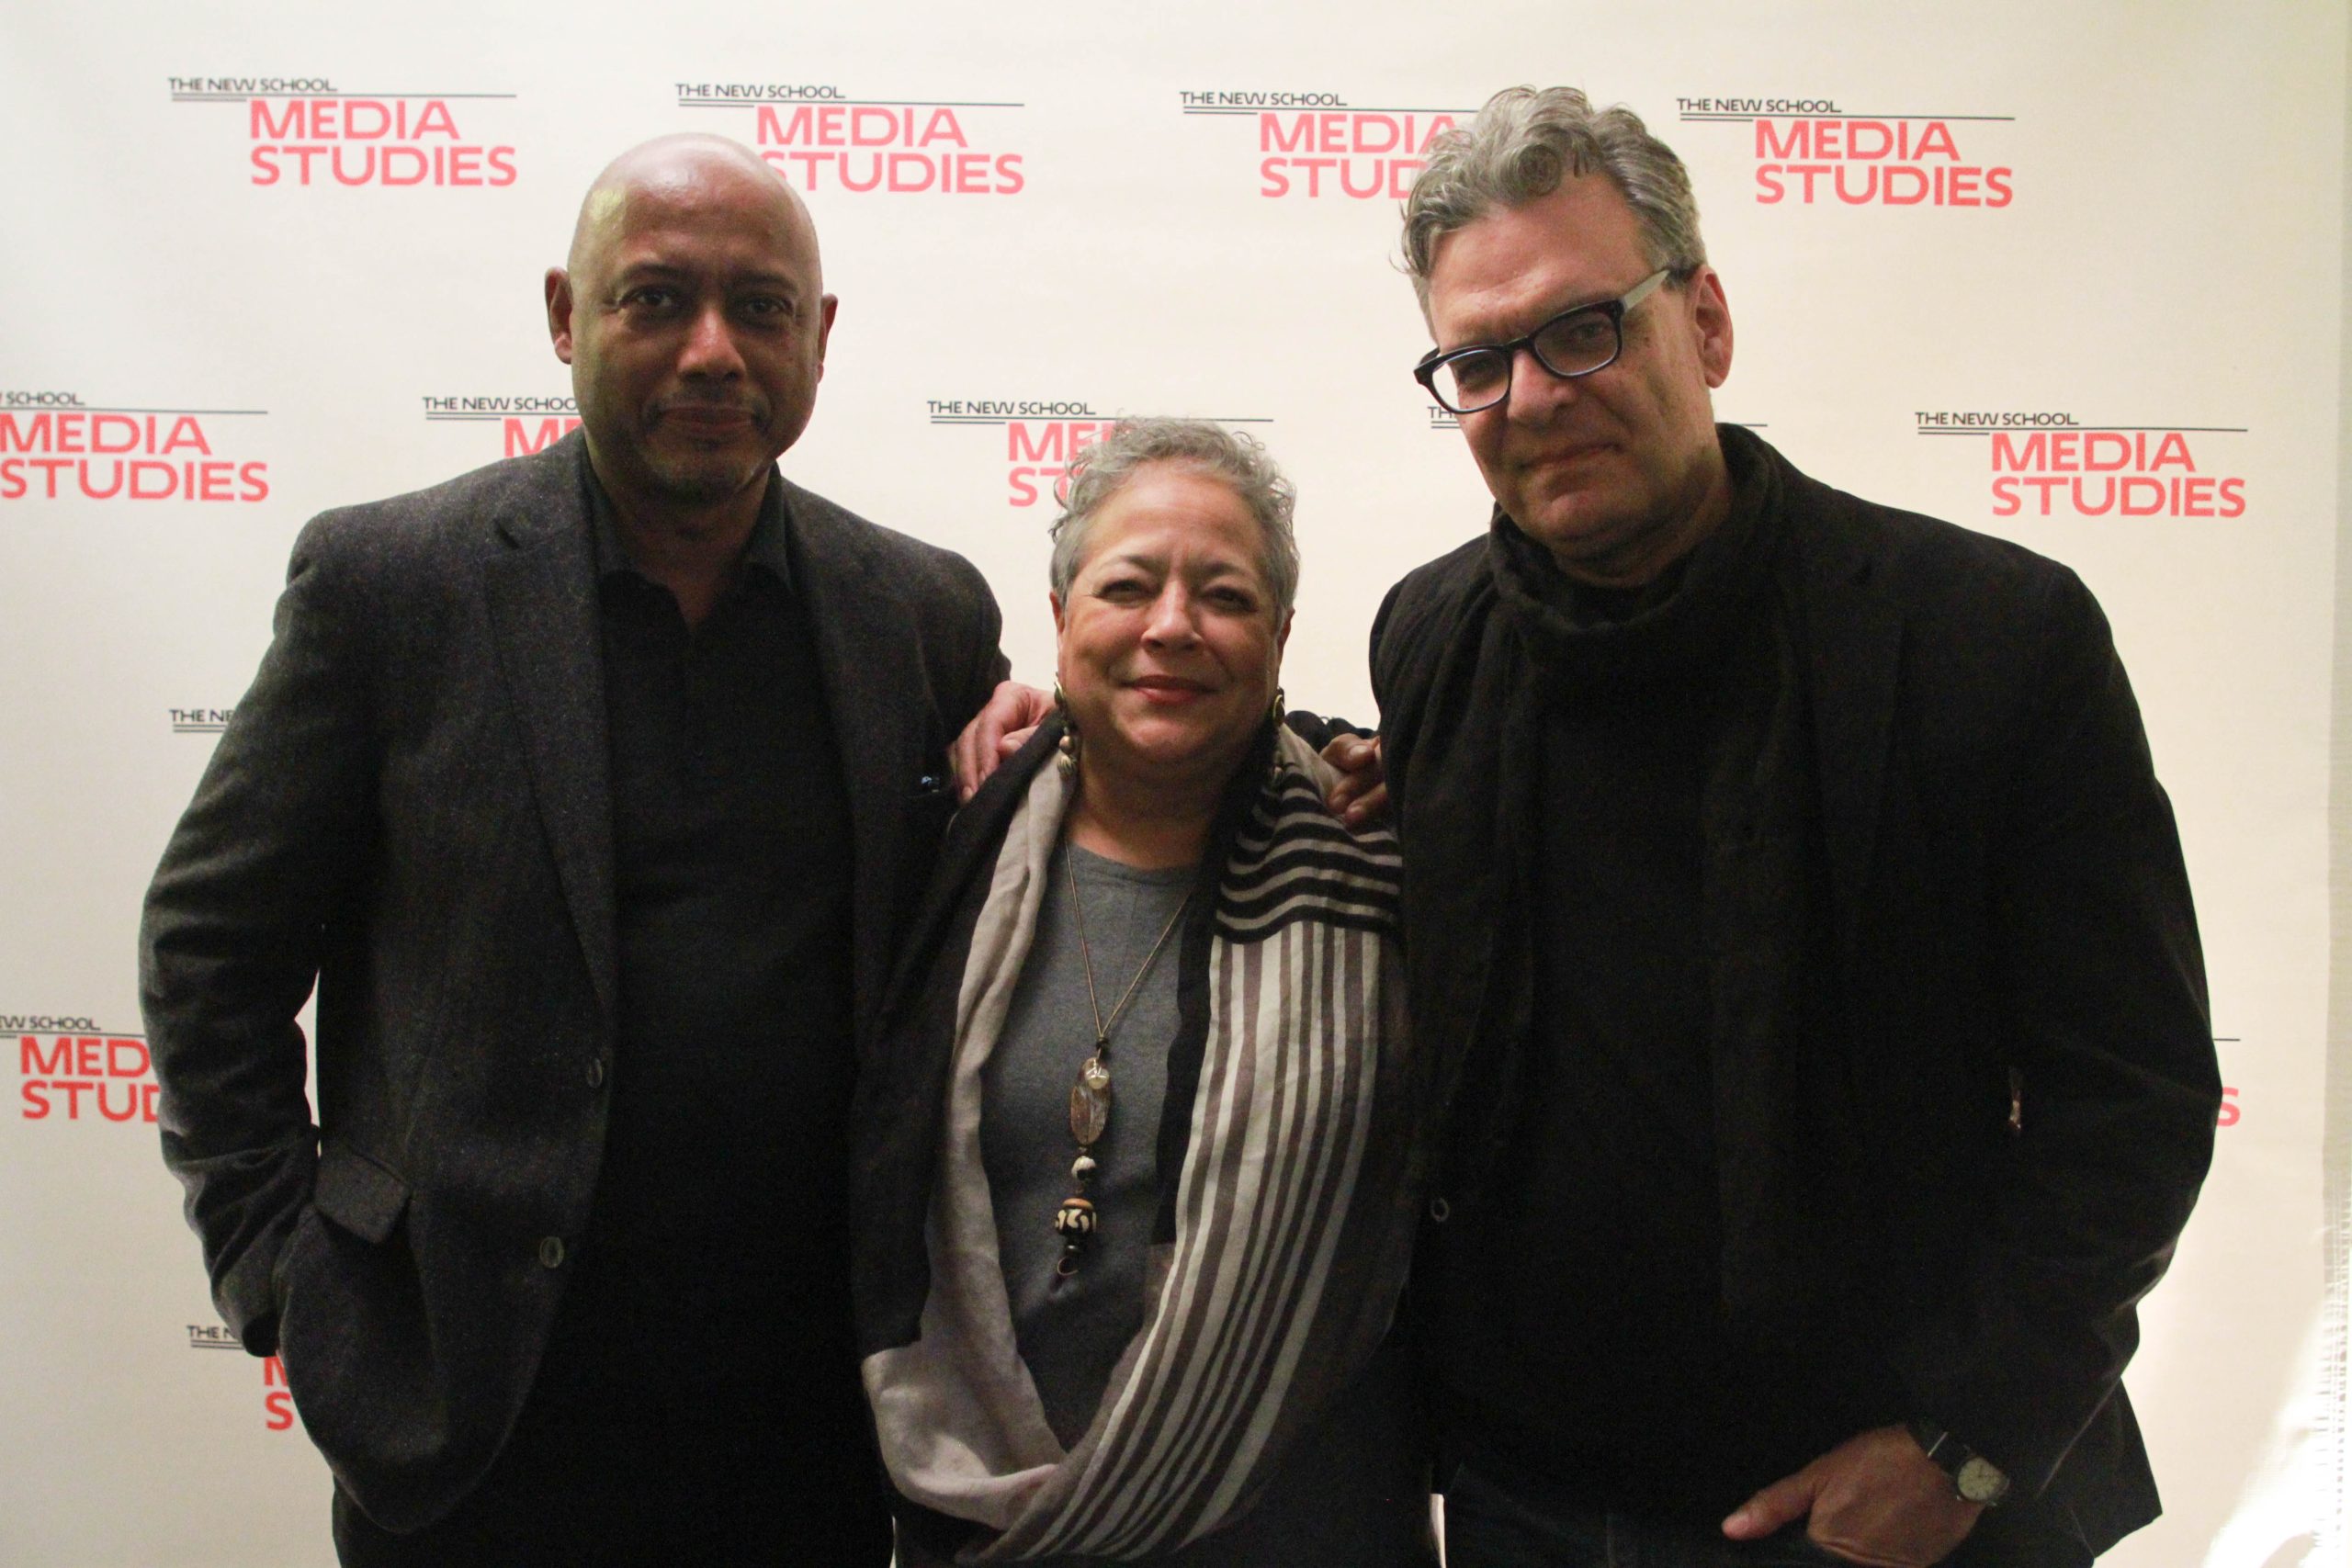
{"points": [[1140, 1150]]}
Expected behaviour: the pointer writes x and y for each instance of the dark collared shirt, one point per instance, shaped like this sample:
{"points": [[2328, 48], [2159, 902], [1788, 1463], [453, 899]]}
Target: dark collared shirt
{"points": [[713, 1263]]}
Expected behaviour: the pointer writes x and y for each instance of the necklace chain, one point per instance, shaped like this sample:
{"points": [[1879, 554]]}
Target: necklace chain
{"points": [[1089, 1096], [1103, 1026]]}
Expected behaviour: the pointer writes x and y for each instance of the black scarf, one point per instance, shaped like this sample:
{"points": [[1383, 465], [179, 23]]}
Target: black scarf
{"points": [[1721, 614]]}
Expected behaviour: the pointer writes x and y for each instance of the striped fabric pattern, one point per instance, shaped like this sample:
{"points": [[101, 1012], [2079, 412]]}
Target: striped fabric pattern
{"points": [[1296, 862]]}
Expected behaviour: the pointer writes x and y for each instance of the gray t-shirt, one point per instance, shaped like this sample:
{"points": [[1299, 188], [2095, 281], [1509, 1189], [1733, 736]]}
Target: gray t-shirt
{"points": [[1071, 1330]]}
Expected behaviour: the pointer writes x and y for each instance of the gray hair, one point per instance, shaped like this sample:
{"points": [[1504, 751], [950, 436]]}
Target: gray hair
{"points": [[1243, 463], [1523, 144]]}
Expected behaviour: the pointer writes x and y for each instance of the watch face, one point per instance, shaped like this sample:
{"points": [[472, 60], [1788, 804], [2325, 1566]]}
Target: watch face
{"points": [[1980, 1482]]}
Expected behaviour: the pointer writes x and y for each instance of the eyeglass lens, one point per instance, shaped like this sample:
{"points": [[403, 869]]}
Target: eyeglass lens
{"points": [[1575, 345]]}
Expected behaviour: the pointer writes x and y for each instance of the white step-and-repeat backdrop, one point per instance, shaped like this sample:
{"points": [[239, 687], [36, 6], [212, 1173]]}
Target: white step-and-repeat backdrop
{"points": [[2068, 273]]}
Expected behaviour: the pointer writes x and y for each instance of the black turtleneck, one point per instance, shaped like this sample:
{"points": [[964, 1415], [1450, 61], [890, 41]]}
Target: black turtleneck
{"points": [[1581, 1336]]}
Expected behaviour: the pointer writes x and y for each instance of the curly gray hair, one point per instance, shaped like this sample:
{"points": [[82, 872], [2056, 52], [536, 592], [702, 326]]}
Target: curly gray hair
{"points": [[1519, 149], [1241, 462]]}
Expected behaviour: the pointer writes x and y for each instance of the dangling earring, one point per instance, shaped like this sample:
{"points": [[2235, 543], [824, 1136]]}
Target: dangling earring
{"points": [[1281, 707], [1067, 759]]}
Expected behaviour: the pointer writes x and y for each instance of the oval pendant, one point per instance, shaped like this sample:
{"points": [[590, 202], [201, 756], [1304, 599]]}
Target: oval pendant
{"points": [[1090, 1102]]}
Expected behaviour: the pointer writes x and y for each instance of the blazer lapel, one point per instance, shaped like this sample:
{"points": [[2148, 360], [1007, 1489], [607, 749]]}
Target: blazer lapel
{"points": [[1466, 858], [870, 656], [543, 615], [1854, 638]]}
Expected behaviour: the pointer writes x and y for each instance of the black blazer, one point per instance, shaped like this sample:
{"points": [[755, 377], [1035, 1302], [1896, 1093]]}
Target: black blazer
{"points": [[2005, 892], [410, 809]]}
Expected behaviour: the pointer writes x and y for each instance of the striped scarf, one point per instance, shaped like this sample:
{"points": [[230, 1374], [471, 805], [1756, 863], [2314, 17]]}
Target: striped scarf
{"points": [[1294, 1207]]}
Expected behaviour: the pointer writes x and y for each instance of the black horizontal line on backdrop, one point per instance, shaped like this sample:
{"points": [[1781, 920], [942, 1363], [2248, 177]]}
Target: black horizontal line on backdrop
{"points": [[483, 416], [837, 103], [1067, 418], [2061, 429], [1836, 114], [1320, 109], [324, 93], [78, 407], [91, 1031]]}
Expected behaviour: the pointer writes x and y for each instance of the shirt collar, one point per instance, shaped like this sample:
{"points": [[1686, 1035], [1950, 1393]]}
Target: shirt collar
{"points": [[770, 545]]}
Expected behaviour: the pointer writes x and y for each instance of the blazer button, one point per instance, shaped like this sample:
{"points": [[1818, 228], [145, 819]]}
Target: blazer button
{"points": [[1440, 1210], [551, 1252], [595, 1072]]}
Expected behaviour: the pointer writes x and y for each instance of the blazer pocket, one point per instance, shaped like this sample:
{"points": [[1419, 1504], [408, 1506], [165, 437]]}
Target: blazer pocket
{"points": [[929, 806], [358, 1194]]}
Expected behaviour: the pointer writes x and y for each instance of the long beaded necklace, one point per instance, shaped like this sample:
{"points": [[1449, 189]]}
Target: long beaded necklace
{"points": [[1090, 1096]]}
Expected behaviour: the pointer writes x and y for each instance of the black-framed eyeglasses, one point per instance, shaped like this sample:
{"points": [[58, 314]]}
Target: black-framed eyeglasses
{"points": [[1574, 342]]}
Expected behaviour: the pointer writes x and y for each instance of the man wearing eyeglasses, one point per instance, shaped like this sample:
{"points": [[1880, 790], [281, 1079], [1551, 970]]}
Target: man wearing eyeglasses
{"points": [[1791, 894]]}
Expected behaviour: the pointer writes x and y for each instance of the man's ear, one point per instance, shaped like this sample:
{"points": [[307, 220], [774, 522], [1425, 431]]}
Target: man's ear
{"points": [[825, 311], [1711, 315], [559, 293]]}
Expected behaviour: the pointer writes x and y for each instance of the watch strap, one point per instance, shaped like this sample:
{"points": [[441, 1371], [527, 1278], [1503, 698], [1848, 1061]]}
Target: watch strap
{"points": [[1975, 1478]]}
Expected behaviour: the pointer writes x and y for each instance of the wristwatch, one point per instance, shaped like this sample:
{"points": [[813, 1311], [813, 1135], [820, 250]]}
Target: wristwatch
{"points": [[1975, 1478]]}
